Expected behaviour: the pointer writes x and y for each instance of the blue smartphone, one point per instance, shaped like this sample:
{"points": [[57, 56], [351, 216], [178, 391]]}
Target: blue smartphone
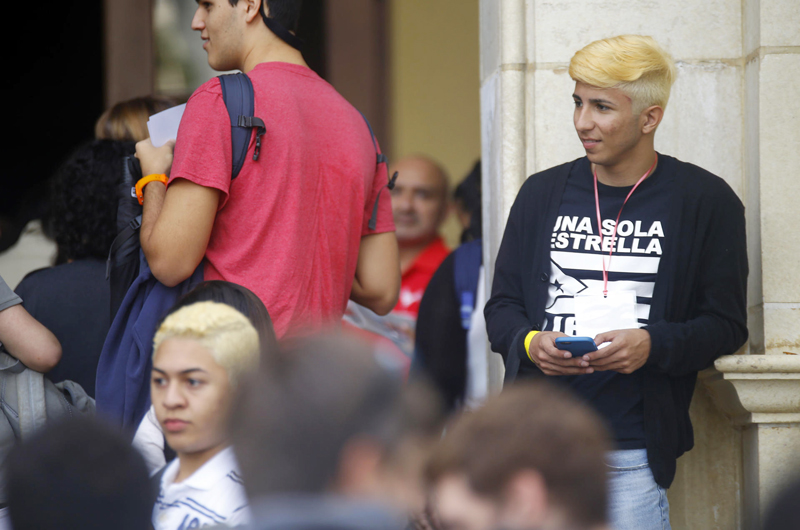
{"points": [[577, 346]]}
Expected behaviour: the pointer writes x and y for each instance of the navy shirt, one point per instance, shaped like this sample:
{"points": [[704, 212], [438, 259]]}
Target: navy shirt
{"points": [[576, 266], [73, 301]]}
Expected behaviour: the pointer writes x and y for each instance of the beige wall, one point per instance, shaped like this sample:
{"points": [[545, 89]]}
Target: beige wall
{"points": [[434, 84]]}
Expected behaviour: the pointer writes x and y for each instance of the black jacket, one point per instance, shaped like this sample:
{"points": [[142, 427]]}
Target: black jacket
{"points": [[698, 309]]}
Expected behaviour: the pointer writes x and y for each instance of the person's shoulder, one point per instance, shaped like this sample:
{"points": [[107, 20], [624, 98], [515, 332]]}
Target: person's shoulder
{"points": [[211, 89], [551, 174], [34, 277], [541, 181], [73, 270], [701, 183]]}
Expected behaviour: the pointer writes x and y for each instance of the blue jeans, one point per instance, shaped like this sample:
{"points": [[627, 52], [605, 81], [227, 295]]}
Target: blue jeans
{"points": [[636, 502]]}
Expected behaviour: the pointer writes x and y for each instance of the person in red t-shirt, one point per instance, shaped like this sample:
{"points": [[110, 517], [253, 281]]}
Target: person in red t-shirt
{"points": [[419, 205], [293, 226]]}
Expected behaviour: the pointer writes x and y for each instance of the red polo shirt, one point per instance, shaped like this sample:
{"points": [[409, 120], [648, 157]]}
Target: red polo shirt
{"points": [[416, 277]]}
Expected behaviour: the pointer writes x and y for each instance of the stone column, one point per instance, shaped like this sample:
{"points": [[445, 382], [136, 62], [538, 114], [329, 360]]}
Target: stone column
{"points": [[504, 72], [761, 395], [772, 110]]}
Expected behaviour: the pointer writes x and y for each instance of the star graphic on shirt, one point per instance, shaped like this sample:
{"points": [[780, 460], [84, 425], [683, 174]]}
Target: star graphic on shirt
{"points": [[562, 285]]}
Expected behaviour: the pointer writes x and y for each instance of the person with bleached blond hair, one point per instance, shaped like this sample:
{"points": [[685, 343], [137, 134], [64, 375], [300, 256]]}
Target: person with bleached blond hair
{"points": [[641, 253], [202, 352]]}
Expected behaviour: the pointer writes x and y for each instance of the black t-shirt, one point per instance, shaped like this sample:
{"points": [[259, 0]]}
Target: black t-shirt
{"points": [[72, 301], [576, 266]]}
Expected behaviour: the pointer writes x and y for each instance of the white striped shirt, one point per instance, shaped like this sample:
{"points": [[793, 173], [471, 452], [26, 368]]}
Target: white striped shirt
{"points": [[212, 495]]}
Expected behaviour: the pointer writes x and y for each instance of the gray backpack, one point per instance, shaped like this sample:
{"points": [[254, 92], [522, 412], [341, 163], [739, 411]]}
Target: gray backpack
{"points": [[29, 400]]}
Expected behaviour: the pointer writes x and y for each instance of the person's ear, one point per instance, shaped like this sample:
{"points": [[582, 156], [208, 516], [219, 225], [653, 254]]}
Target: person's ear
{"points": [[650, 118], [252, 9]]}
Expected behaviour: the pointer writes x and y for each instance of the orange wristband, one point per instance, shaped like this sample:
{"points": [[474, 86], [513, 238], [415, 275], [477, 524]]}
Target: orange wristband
{"points": [[144, 181]]}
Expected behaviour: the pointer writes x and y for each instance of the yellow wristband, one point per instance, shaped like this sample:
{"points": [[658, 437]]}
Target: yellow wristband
{"points": [[144, 181], [528, 339]]}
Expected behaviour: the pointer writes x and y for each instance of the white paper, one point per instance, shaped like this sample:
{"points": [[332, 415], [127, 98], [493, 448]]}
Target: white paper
{"points": [[595, 313], [164, 125]]}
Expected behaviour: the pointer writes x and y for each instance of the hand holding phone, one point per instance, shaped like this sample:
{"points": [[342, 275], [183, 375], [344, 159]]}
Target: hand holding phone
{"points": [[577, 346]]}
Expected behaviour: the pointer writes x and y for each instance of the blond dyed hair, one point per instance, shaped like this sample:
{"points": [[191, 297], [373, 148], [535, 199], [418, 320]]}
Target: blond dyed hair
{"points": [[635, 64], [222, 330]]}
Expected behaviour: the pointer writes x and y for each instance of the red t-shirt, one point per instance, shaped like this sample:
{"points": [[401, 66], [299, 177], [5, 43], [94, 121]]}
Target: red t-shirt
{"points": [[289, 226], [416, 277]]}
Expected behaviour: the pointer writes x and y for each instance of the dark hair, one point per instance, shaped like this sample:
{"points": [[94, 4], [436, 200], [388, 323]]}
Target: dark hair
{"points": [[468, 193], [284, 12], [531, 426], [84, 195], [78, 474], [292, 422], [240, 298], [127, 120]]}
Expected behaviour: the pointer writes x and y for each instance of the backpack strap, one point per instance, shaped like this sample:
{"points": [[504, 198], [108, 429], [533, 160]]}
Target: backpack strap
{"points": [[467, 261], [130, 230], [237, 93], [380, 158]]}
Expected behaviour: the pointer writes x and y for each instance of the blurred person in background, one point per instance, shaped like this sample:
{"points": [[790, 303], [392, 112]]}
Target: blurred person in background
{"points": [[420, 204], [127, 120], [450, 338], [467, 202], [201, 353], [72, 298], [78, 474], [531, 458], [328, 438], [22, 336]]}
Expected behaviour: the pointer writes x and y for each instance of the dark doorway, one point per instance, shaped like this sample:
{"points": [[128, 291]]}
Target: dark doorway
{"points": [[53, 94]]}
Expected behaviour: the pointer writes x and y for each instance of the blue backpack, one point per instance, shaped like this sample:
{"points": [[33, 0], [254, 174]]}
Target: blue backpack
{"points": [[467, 260], [138, 300]]}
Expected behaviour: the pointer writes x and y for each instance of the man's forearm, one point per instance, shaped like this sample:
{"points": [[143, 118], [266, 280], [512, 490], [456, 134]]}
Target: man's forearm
{"points": [[154, 194], [28, 340], [176, 225], [376, 284]]}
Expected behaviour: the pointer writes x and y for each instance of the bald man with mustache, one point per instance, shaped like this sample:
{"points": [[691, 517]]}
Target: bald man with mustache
{"points": [[419, 205]]}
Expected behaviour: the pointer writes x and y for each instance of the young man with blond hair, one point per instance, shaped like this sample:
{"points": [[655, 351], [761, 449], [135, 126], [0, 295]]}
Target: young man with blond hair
{"points": [[635, 249], [202, 352]]}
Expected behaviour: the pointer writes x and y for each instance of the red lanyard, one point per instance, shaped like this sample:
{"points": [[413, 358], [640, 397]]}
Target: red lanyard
{"points": [[614, 235]]}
